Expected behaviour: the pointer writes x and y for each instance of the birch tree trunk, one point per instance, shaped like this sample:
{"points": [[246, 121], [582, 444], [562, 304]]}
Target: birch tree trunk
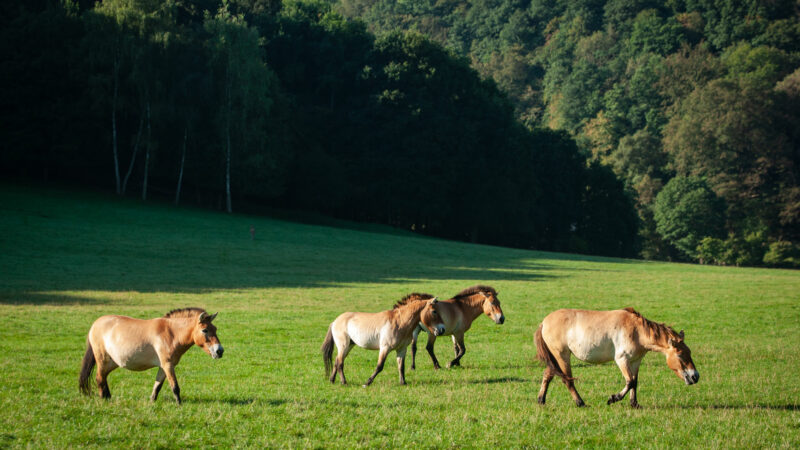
{"points": [[146, 154], [183, 160]]}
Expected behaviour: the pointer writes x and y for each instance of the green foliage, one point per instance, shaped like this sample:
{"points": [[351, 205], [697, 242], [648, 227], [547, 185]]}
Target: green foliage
{"points": [[687, 210], [783, 254]]}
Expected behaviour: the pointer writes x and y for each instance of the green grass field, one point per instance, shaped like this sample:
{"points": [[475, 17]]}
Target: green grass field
{"points": [[67, 257]]}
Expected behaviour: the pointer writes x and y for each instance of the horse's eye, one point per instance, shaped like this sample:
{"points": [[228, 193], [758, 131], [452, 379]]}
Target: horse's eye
{"points": [[205, 330]]}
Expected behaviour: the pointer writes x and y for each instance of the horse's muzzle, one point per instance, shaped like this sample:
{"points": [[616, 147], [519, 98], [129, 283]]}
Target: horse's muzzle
{"points": [[500, 320], [216, 351], [438, 330], [691, 377]]}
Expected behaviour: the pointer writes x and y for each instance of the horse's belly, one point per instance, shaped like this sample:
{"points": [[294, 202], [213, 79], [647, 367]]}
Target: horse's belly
{"points": [[369, 339], [141, 357], [595, 352]]}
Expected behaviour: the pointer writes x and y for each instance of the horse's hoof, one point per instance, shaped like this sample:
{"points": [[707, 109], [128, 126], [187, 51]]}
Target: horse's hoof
{"points": [[635, 406], [541, 400], [580, 404]]}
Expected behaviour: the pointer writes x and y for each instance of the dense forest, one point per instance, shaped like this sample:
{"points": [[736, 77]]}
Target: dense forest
{"points": [[660, 130]]}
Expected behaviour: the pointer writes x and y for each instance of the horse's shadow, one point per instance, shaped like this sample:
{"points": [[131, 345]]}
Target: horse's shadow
{"points": [[500, 380]]}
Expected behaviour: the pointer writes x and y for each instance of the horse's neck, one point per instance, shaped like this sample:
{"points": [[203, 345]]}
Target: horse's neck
{"points": [[472, 306], [409, 317], [181, 330], [648, 340]]}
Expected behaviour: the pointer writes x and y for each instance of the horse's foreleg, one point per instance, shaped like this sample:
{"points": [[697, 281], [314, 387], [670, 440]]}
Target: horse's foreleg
{"points": [[627, 369], [429, 348], [401, 365], [546, 379], [169, 370], [460, 348], [160, 377], [381, 359]]}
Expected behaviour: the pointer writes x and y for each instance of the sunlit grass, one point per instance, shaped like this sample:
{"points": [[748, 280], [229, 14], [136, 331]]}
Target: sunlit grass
{"points": [[68, 257]]}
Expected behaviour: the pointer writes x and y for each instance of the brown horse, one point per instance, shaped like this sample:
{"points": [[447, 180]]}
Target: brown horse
{"points": [[384, 331], [601, 336], [458, 314], [135, 344]]}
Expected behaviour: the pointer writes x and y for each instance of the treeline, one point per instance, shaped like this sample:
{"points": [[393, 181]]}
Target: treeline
{"points": [[692, 103], [243, 104]]}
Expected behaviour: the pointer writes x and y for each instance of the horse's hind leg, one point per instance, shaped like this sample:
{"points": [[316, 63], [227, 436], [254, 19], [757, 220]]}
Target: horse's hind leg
{"points": [[546, 379], [566, 368], [160, 377], [339, 366], [414, 347], [104, 367]]}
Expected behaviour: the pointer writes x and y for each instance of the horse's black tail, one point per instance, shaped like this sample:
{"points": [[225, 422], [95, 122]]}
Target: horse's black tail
{"points": [[86, 369], [327, 351], [544, 355]]}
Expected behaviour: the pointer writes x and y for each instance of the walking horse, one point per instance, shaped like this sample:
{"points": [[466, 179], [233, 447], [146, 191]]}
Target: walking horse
{"points": [[458, 314], [384, 331], [601, 336], [135, 344]]}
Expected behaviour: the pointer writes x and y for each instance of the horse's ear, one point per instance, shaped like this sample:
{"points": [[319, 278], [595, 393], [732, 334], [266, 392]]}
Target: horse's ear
{"points": [[681, 334], [203, 317], [213, 316], [434, 300]]}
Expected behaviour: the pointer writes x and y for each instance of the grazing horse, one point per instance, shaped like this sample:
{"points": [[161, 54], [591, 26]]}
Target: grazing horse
{"points": [[384, 331], [135, 344], [458, 314], [601, 336]]}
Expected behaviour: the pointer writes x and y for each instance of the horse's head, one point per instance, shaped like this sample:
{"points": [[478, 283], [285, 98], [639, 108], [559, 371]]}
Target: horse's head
{"points": [[431, 318], [679, 359], [205, 335], [491, 307]]}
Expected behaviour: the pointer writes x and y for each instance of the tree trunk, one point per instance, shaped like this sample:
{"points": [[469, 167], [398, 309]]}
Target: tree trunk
{"points": [[146, 154], [183, 160], [228, 89], [133, 157], [114, 118]]}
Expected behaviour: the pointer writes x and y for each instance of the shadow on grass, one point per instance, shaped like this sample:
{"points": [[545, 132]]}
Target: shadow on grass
{"points": [[500, 380], [124, 246], [789, 407]]}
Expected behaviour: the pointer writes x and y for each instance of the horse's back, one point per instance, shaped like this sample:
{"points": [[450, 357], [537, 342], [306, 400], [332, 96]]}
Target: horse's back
{"points": [[126, 340], [591, 336]]}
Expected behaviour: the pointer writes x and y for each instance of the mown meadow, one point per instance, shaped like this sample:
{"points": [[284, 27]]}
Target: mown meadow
{"points": [[68, 256]]}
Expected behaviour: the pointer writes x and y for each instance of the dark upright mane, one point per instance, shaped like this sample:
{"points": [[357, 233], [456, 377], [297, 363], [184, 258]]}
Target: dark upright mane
{"points": [[184, 312], [474, 290], [656, 329], [412, 297]]}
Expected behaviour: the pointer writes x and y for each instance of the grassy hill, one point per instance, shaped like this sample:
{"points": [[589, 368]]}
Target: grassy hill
{"points": [[67, 257]]}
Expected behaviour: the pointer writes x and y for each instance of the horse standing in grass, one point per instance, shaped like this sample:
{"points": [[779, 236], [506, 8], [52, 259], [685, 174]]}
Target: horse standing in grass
{"points": [[135, 344], [384, 331], [601, 336], [458, 314]]}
